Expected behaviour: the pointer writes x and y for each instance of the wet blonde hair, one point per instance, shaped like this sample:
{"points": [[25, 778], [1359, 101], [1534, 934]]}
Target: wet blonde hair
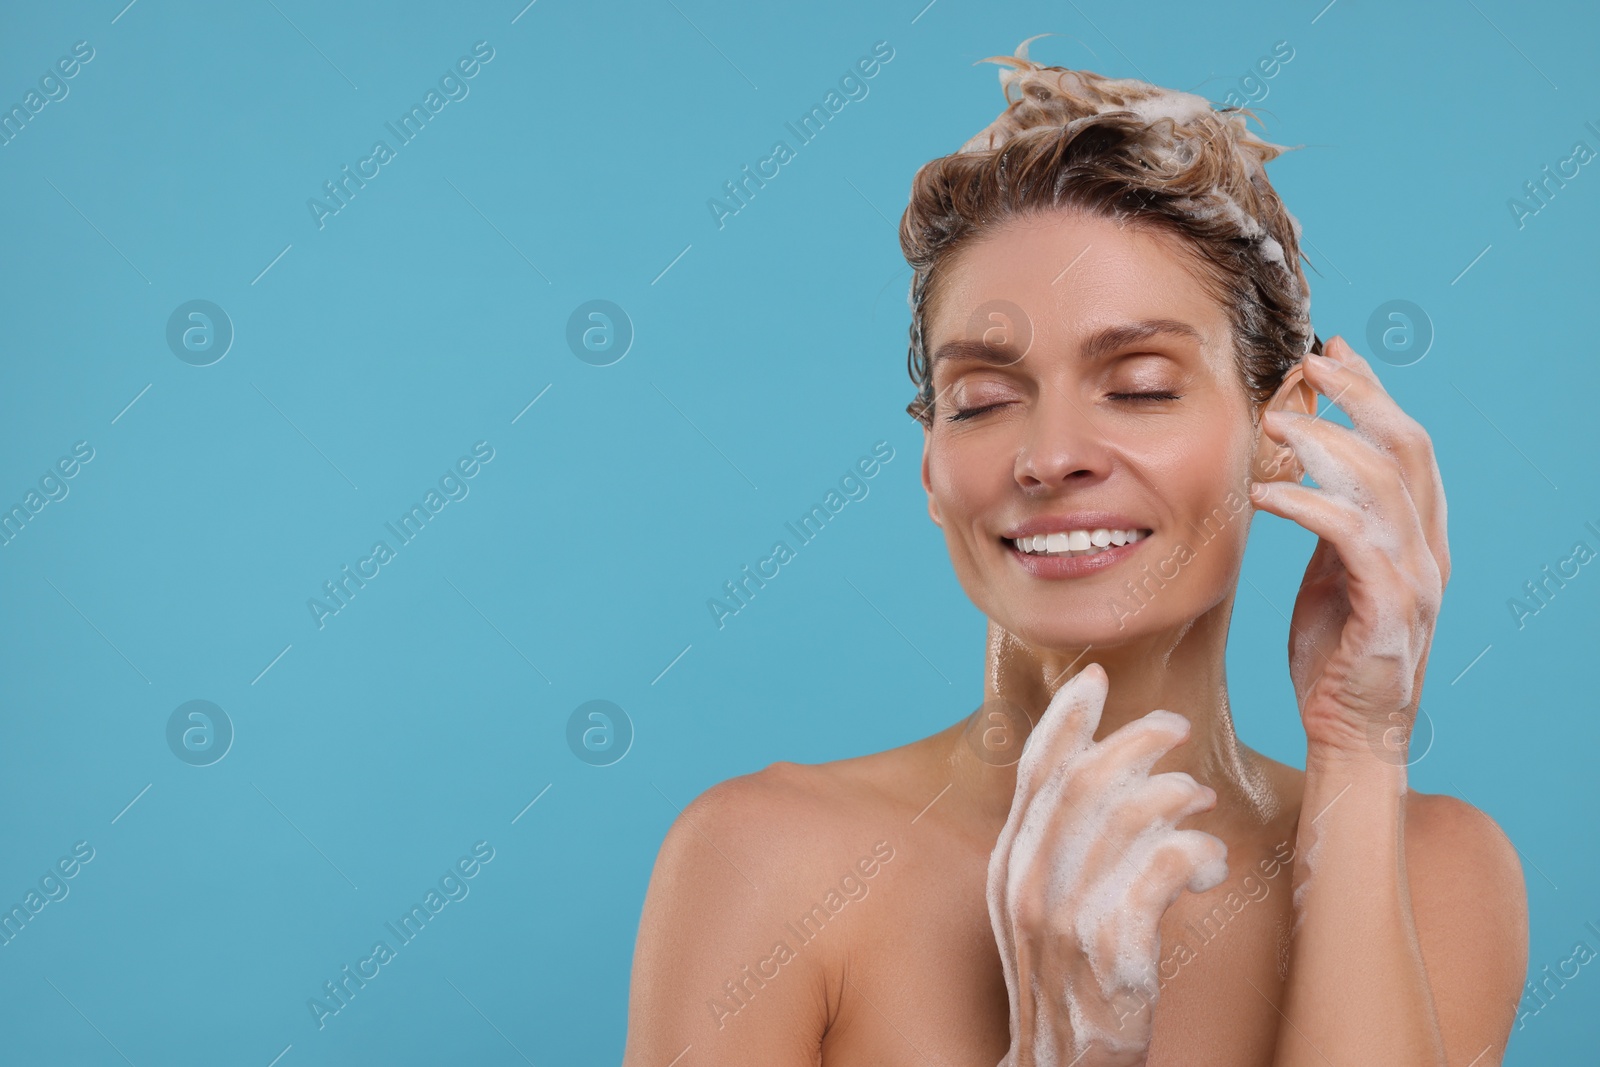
{"points": [[1137, 153]]}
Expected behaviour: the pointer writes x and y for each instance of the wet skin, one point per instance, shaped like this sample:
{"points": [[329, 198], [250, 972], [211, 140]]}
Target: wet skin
{"points": [[910, 971]]}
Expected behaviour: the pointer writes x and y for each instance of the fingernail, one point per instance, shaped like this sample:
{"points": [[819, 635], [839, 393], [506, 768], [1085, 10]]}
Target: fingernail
{"points": [[1322, 362]]}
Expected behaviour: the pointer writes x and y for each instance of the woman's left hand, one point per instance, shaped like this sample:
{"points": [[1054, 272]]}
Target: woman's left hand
{"points": [[1363, 621]]}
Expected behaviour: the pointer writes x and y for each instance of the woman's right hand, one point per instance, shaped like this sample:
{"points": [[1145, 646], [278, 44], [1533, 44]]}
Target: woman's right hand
{"points": [[1088, 862]]}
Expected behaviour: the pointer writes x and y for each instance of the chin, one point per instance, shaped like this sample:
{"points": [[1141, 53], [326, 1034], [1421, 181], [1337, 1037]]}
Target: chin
{"points": [[1052, 632], [1104, 622]]}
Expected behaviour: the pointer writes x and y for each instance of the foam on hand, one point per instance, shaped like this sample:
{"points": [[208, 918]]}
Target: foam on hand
{"points": [[1332, 476], [1390, 633], [1115, 928]]}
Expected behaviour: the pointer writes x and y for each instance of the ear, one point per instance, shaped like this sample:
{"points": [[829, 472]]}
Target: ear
{"points": [[1275, 462], [927, 480]]}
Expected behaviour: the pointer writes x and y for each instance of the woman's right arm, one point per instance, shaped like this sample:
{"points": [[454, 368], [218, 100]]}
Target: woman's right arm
{"points": [[723, 884], [1088, 862]]}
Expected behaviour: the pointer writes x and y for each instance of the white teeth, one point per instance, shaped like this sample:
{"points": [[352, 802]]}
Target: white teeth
{"points": [[1077, 542]]}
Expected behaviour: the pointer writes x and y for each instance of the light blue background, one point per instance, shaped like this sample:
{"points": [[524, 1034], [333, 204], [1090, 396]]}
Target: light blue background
{"points": [[430, 311]]}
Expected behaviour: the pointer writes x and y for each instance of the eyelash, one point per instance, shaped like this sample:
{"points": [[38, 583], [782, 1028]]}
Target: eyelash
{"points": [[1146, 396], [967, 413]]}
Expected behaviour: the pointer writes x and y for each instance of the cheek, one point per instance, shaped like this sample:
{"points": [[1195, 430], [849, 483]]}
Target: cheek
{"points": [[1212, 459], [967, 479], [1203, 480]]}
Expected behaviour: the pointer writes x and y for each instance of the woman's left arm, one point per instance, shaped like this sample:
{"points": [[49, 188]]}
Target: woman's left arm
{"points": [[1410, 939]]}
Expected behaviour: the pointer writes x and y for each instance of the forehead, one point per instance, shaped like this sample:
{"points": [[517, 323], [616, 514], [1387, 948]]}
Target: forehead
{"points": [[1071, 275]]}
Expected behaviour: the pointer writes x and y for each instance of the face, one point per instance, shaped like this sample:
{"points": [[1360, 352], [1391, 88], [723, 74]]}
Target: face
{"points": [[1085, 380]]}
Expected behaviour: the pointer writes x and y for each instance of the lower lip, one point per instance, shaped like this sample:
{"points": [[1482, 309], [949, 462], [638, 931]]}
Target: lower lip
{"points": [[1073, 566]]}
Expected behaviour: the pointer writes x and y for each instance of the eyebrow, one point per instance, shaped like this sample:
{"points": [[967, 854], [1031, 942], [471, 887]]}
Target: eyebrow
{"points": [[1095, 347]]}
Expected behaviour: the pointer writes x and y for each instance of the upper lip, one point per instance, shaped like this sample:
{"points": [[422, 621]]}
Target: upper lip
{"points": [[1075, 520]]}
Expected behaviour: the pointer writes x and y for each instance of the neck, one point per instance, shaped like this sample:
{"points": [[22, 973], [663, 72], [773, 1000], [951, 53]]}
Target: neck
{"points": [[1180, 669]]}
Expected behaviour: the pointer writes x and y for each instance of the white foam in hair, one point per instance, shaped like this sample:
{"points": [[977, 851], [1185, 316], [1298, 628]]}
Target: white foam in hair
{"points": [[1150, 104]]}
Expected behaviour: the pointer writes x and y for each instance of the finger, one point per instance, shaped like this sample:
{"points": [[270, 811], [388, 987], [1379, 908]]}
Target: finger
{"points": [[1392, 601], [1175, 860], [1338, 458], [1024, 855], [1067, 842], [1106, 773], [1351, 383], [1165, 800], [1367, 554], [1078, 794], [1066, 727], [1346, 466], [1150, 805], [1000, 915], [1137, 745], [1340, 350], [1121, 914]]}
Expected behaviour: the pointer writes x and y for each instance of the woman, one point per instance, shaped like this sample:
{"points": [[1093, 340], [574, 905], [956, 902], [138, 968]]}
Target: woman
{"points": [[1111, 336]]}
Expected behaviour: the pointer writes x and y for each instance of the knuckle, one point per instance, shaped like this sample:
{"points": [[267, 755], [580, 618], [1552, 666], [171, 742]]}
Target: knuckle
{"points": [[1171, 864], [1350, 518], [1181, 781], [1412, 436]]}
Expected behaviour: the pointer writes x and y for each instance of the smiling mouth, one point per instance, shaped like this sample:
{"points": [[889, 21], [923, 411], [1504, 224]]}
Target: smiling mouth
{"points": [[1075, 542]]}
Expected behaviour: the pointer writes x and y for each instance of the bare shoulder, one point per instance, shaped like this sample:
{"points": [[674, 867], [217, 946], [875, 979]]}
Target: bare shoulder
{"points": [[1470, 906], [790, 813], [746, 873], [1461, 858]]}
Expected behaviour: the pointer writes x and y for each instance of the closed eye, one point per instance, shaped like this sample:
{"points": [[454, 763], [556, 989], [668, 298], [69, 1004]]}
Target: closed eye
{"points": [[967, 413]]}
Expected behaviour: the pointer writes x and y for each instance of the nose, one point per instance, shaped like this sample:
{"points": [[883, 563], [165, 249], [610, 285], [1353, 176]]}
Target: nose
{"points": [[1063, 444]]}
